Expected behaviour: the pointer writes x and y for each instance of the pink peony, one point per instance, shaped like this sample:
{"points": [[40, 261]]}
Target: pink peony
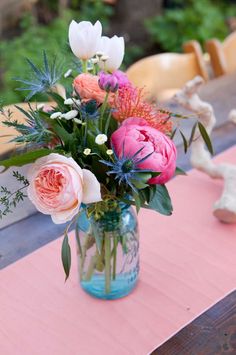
{"points": [[134, 134], [58, 186], [87, 87]]}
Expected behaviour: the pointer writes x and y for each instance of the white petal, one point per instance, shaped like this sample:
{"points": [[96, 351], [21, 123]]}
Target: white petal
{"points": [[65, 216], [91, 187]]}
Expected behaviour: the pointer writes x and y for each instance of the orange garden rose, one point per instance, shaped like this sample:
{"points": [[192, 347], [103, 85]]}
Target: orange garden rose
{"points": [[87, 87]]}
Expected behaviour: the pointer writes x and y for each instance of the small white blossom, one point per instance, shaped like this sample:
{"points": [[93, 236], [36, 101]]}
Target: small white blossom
{"points": [[70, 115], [77, 120], [55, 115], [95, 60], [69, 101], [109, 151], [99, 53], [87, 151], [100, 139], [40, 106], [77, 102], [104, 58], [68, 73]]}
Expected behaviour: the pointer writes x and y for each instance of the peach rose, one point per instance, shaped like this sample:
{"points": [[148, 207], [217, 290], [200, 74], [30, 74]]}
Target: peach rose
{"points": [[87, 87], [58, 186]]}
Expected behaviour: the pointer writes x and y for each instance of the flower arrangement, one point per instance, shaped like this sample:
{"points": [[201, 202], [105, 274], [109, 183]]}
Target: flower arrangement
{"points": [[96, 145]]}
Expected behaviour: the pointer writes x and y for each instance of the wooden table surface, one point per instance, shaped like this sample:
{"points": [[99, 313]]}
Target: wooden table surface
{"points": [[212, 333]]}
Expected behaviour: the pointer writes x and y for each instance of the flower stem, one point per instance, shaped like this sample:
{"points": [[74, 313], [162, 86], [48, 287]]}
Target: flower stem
{"points": [[104, 106], [114, 258], [107, 263], [84, 65]]}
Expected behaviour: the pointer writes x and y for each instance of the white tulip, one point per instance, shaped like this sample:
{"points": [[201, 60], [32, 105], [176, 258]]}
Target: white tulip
{"points": [[113, 50], [84, 38]]}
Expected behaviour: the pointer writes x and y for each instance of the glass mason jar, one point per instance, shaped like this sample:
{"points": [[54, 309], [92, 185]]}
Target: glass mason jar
{"points": [[108, 252]]}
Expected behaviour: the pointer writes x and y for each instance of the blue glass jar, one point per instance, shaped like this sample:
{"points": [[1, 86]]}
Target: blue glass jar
{"points": [[108, 252]]}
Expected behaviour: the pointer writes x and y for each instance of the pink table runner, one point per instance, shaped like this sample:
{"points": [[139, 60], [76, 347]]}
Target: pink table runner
{"points": [[187, 264]]}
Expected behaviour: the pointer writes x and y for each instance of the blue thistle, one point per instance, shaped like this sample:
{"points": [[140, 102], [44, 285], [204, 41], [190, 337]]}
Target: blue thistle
{"points": [[126, 168], [42, 78], [89, 110]]}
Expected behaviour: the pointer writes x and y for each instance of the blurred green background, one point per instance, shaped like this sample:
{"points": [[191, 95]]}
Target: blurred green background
{"points": [[150, 26]]}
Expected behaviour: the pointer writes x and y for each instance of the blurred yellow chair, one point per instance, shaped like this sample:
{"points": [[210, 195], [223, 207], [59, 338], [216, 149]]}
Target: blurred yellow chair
{"points": [[222, 54], [162, 75]]}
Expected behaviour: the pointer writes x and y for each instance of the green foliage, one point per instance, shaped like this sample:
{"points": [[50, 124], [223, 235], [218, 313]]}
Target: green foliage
{"points": [[25, 158], [53, 39], [66, 256], [93, 10], [198, 20], [9, 199]]}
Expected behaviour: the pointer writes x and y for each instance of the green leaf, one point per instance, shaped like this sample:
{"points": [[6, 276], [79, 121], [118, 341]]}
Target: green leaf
{"points": [[205, 137], [139, 184], [161, 201], [184, 141], [192, 134], [173, 133], [179, 171], [25, 158], [66, 256], [137, 201]]}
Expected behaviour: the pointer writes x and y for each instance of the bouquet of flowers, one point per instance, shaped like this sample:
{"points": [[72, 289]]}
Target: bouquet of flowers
{"points": [[95, 146]]}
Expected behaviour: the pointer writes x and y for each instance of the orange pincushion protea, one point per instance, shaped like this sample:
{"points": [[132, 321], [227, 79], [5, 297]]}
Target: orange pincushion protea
{"points": [[129, 103]]}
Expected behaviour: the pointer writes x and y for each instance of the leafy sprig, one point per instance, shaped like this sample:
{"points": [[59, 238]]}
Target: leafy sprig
{"points": [[9, 199], [36, 130]]}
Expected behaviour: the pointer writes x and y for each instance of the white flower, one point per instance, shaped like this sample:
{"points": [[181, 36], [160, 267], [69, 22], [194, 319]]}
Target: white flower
{"points": [[77, 102], [77, 120], [87, 151], [100, 139], [99, 53], [104, 58], [40, 106], [84, 38], [69, 101], [109, 151], [70, 115], [114, 49], [68, 73], [94, 60], [55, 115]]}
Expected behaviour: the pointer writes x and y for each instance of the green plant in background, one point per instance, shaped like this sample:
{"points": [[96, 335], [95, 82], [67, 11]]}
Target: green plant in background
{"points": [[198, 20], [52, 38]]}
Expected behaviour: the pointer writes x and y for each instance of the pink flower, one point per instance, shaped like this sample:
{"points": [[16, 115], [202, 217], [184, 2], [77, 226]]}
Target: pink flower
{"points": [[58, 186], [134, 134], [122, 78], [108, 82], [130, 103]]}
